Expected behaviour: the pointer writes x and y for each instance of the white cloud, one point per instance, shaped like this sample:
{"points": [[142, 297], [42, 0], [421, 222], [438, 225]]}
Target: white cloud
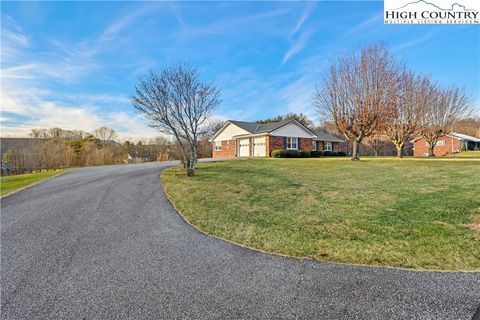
{"points": [[297, 46], [305, 14], [117, 26], [42, 113], [366, 24], [414, 42]]}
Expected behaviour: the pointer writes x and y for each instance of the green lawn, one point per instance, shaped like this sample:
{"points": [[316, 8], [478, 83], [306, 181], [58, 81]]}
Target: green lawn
{"points": [[414, 213], [466, 154], [11, 183]]}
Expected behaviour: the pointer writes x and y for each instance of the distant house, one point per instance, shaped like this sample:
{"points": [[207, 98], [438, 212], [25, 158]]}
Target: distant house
{"points": [[447, 144], [248, 139]]}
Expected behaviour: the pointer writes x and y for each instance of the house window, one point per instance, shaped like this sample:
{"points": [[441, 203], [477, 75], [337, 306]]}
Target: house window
{"points": [[440, 143], [314, 145], [292, 143], [218, 145], [328, 146]]}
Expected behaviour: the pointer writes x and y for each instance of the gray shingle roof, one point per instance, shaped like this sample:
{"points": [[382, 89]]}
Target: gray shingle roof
{"points": [[254, 128], [326, 137], [247, 126]]}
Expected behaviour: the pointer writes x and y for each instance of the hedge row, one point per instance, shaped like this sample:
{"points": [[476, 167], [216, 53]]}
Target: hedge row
{"points": [[305, 154]]}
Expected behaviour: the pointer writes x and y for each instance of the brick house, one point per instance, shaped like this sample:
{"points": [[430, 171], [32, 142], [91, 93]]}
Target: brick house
{"points": [[248, 139], [447, 144]]}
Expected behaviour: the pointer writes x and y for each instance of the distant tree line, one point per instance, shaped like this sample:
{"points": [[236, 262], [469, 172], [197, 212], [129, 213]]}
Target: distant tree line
{"points": [[57, 148]]}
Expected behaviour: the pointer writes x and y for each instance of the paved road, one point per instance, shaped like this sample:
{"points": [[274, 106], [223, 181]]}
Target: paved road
{"points": [[105, 243]]}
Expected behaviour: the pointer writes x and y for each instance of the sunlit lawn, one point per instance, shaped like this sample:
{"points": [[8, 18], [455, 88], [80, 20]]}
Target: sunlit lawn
{"points": [[415, 213], [11, 183]]}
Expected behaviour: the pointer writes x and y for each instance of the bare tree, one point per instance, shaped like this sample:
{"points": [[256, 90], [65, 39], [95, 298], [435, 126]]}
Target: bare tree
{"points": [[210, 128], [105, 134], [38, 133], [376, 142], [443, 108], [359, 92], [177, 102], [470, 126], [403, 121]]}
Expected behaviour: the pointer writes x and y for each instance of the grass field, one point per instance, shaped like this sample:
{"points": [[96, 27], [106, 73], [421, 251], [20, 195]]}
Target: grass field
{"points": [[466, 154], [11, 183], [413, 213]]}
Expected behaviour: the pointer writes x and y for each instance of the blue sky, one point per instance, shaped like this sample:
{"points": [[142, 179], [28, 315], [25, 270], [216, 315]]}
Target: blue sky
{"points": [[75, 64]]}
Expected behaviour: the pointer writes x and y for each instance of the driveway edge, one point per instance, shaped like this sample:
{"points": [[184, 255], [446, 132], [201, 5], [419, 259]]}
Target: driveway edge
{"points": [[35, 183], [297, 257]]}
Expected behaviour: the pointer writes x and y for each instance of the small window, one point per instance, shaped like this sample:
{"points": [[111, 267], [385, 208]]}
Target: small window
{"points": [[218, 145], [292, 143], [440, 143], [314, 145], [328, 146]]}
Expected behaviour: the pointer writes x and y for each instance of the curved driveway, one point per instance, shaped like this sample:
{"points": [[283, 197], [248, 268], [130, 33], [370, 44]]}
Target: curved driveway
{"points": [[105, 243]]}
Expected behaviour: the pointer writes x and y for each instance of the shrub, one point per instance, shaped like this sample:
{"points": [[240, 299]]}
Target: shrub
{"points": [[341, 154], [328, 153], [316, 154], [305, 154], [292, 154], [279, 153]]}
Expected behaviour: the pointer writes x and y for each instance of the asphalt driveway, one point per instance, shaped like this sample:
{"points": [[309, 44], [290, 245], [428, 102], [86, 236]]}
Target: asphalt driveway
{"points": [[105, 243]]}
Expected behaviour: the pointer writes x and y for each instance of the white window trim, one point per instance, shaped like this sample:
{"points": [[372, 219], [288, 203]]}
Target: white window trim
{"points": [[314, 145], [291, 143], [327, 146], [218, 145], [440, 144]]}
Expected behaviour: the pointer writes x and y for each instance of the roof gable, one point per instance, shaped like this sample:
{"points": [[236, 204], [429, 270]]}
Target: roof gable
{"points": [[292, 128], [229, 129]]}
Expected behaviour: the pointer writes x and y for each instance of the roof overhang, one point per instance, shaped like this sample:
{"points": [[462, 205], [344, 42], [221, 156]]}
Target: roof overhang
{"points": [[328, 140], [250, 135]]}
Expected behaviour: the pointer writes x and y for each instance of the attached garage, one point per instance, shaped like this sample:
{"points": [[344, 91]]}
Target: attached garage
{"points": [[244, 147], [259, 147]]}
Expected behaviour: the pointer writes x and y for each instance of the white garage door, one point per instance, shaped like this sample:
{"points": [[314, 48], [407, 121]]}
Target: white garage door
{"points": [[244, 147], [259, 147]]}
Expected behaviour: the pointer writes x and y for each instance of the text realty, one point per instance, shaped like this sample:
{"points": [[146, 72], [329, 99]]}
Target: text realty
{"points": [[431, 15]]}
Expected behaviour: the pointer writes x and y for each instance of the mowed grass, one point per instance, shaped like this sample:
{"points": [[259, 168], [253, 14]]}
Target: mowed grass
{"points": [[413, 213], [9, 184], [466, 154]]}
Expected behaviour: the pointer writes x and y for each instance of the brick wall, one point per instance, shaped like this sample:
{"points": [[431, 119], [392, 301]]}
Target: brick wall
{"points": [[229, 149], [305, 144], [336, 146], [274, 143], [452, 145]]}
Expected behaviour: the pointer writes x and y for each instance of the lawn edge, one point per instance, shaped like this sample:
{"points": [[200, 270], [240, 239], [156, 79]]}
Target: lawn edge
{"points": [[35, 183], [185, 219]]}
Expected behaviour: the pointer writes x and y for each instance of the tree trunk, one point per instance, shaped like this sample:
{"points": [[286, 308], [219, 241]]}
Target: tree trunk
{"points": [[191, 161], [431, 147], [355, 154], [399, 150], [375, 152]]}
